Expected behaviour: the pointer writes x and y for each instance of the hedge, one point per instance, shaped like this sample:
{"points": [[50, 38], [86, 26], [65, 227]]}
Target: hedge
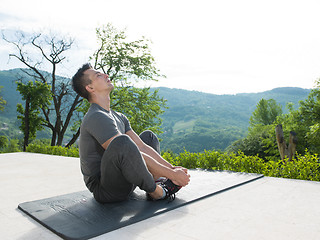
{"points": [[305, 167], [53, 150]]}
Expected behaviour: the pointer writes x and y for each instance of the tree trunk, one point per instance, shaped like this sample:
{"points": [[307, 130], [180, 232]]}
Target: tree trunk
{"points": [[282, 146], [26, 126], [74, 138], [286, 151], [53, 138], [293, 140], [60, 139]]}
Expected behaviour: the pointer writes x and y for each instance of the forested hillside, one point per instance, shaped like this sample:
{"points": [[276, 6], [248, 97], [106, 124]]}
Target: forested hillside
{"points": [[197, 121], [194, 120], [9, 125]]}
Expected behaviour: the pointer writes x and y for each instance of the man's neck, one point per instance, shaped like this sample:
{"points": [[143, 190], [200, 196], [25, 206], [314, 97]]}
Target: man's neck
{"points": [[103, 102]]}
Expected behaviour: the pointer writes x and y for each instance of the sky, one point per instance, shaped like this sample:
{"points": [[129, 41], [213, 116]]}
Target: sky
{"points": [[213, 46]]}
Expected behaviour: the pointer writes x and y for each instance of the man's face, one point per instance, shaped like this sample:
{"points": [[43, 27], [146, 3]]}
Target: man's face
{"points": [[99, 81]]}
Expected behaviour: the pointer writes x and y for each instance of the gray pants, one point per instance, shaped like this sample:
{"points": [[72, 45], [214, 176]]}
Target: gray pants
{"points": [[123, 168]]}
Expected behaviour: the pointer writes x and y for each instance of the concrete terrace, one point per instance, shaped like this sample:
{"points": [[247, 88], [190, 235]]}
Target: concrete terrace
{"points": [[268, 208]]}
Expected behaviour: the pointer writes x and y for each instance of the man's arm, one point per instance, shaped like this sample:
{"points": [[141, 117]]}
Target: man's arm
{"points": [[144, 148], [157, 165], [106, 143]]}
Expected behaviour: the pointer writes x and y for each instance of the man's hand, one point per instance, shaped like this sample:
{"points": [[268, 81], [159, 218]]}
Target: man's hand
{"points": [[184, 169], [180, 176]]}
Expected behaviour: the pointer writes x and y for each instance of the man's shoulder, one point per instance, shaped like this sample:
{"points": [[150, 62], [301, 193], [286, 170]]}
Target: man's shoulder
{"points": [[94, 113], [117, 113], [95, 109]]}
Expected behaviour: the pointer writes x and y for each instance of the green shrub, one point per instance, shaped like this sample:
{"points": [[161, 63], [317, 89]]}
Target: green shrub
{"points": [[306, 167], [12, 145], [53, 150]]}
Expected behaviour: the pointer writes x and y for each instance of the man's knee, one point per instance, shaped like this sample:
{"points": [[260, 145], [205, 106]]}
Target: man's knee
{"points": [[121, 143], [121, 139], [151, 139], [147, 134]]}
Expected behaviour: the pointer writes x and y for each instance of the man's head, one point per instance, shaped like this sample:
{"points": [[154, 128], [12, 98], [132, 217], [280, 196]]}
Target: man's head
{"points": [[80, 80], [90, 83]]}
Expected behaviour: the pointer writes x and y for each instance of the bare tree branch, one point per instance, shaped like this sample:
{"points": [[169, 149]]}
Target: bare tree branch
{"points": [[50, 49]]}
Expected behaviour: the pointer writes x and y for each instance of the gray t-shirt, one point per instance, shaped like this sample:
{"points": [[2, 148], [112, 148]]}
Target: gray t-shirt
{"points": [[97, 127]]}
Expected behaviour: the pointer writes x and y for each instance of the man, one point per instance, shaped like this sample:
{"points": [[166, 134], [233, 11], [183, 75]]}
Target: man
{"points": [[114, 159]]}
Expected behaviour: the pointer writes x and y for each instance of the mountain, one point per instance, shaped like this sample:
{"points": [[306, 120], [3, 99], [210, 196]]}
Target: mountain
{"points": [[197, 121], [9, 92], [194, 121]]}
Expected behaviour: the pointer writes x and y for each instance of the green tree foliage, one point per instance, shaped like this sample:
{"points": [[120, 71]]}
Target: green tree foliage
{"points": [[3, 142], [293, 121], [2, 101], [304, 121], [141, 106], [261, 139], [266, 112], [36, 95], [43, 54], [12, 145], [126, 63], [310, 117], [121, 59]]}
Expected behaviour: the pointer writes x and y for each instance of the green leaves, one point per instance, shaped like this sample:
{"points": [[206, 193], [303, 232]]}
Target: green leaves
{"points": [[123, 60], [305, 167], [266, 112], [141, 106], [53, 150], [36, 95], [303, 121]]}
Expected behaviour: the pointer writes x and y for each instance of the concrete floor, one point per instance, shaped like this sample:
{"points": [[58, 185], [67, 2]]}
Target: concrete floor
{"points": [[268, 208]]}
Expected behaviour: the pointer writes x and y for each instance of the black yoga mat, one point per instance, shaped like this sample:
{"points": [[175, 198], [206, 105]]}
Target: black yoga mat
{"points": [[78, 216]]}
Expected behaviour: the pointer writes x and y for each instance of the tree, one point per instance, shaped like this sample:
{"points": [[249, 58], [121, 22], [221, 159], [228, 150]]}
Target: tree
{"points": [[266, 112], [141, 107], [304, 122], [310, 117], [2, 101], [37, 96], [41, 52], [123, 61], [292, 121], [3, 142], [261, 139], [127, 63]]}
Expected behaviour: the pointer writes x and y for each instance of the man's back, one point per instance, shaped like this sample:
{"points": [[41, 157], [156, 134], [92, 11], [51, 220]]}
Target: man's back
{"points": [[97, 127]]}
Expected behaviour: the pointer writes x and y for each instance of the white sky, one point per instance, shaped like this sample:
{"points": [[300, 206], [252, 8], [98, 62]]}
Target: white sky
{"points": [[215, 46]]}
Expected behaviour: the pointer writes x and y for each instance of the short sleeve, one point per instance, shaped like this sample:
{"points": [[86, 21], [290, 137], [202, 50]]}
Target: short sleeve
{"points": [[101, 127], [126, 122]]}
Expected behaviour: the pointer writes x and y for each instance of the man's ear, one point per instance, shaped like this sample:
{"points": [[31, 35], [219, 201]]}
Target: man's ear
{"points": [[89, 88]]}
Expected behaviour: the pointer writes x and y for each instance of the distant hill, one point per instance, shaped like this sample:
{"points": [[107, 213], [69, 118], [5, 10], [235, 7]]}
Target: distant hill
{"points": [[194, 121], [8, 118], [9, 91], [197, 121]]}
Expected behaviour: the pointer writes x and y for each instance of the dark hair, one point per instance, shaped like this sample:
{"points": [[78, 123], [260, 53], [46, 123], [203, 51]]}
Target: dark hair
{"points": [[80, 81]]}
